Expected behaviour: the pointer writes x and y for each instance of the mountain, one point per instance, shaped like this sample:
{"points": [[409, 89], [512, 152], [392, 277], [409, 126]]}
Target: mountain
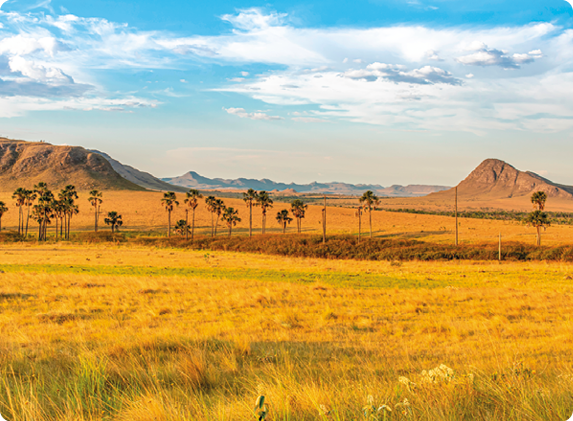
{"points": [[23, 164], [495, 179], [141, 178], [196, 181]]}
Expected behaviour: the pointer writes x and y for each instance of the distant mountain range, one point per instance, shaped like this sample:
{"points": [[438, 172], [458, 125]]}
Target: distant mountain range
{"points": [[196, 181]]}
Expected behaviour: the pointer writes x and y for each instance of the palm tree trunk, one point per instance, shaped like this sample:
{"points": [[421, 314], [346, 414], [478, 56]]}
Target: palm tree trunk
{"points": [[69, 225], [264, 221], [284, 227], [95, 221], [538, 236], [193, 226], [216, 223], [230, 229], [187, 224], [0, 223], [169, 224], [19, 219], [370, 216], [27, 220], [359, 224], [212, 225], [250, 220]]}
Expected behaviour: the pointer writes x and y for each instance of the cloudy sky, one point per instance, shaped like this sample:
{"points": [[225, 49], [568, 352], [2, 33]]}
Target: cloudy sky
{"points": [[369, 91]]}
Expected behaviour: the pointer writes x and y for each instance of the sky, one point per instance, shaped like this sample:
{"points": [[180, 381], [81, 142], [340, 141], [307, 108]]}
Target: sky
{"points": [[370, 91]]}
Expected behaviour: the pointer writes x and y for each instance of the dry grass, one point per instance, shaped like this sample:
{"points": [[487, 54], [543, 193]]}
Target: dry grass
{"points": [[142, 211], [190, 347]]}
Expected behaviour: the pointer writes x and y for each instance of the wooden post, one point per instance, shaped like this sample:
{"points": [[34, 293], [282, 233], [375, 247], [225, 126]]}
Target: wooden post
{"points": [[456, 215], [324, 222], [499, 256]]}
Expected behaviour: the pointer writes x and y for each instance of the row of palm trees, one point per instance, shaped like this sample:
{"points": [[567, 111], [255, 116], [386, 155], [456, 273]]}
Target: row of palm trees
{"points": [[252, 198], [44, 207]]}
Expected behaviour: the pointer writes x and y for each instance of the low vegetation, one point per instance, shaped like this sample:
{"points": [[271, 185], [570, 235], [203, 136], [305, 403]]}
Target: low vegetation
{"points": [[329, 340]]}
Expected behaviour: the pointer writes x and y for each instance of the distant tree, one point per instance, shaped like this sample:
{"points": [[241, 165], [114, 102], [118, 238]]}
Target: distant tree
{"points": [[298, 209], [67, 197], [359, 211], [219, 208], [537, 219], [43, 212], [59, 210], [250, 198], [96, 200], [169, 202], [368, 200], [265, 202], [231, 217], [181, 227], [211, 207], [3, 210], [192, 201], [30, 198], [114, 220], [538, 200], [19, 196], [283, 218]]}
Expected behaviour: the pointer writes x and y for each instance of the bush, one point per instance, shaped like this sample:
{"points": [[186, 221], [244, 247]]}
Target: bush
{"points": [[99, 237]]}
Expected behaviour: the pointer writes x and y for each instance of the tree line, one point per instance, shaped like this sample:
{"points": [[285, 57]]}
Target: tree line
{"points": [[46, 208]]}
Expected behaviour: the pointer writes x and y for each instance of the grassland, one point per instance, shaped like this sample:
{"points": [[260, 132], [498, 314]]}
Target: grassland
{"points": [[142, 213], [117, 332]]}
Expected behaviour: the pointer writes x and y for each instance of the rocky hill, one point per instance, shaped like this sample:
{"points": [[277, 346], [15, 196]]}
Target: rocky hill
{"points": [[23, 164], [495, 179], [196, 181], [141, 178]]}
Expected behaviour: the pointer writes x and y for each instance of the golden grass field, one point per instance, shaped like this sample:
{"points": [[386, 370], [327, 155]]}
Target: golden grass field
{"points": [[107, 332], [142, 211]]}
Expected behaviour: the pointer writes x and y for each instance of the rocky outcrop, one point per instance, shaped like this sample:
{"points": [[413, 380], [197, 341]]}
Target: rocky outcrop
{"points": [[23, 164], [496, 179]]}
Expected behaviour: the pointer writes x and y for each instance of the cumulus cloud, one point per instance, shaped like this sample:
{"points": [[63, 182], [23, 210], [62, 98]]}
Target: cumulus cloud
{"points": [[398, 73], [484, 56], [241, 112]]}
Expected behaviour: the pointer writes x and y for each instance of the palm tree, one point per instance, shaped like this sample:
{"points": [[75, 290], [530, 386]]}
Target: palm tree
{"points": [[95, 200], [283, 218], [43, 213], [67, 198], [219, 207], [210, 202], [250, 198], [29, 201], [538, 200], [231, 217], [367, 200], [20, 196], [265, 202], [537, 219], [113, 219], [192, 201], [181, 227], [169, 201], [298, 209], [3, 210]]}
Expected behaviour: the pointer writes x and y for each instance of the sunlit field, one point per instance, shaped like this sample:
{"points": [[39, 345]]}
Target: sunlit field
{"points": [[121, 333], [142, 212]]}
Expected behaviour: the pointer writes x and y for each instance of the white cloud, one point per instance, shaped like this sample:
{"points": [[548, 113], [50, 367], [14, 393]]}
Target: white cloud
{"points": [[470, 75], [244, 74], [484, 56], [398, 73], [241, 112], [310, 120]]}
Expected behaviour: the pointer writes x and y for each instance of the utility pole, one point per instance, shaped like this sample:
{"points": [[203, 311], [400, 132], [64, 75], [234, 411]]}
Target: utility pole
{"points": [[456, 215], [324, 222]]}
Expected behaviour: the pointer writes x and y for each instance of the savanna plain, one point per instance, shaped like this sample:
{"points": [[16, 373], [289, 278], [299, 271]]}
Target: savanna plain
{"points": [[124, 331]]}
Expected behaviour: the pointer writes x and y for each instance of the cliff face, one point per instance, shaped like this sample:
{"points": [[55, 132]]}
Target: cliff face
{"points": [[23, 164], [494, 179]]}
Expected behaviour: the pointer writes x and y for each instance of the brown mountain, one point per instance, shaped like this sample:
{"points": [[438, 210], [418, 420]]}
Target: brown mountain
{"points": [[23, 164], [495, 179], [141, 178]]}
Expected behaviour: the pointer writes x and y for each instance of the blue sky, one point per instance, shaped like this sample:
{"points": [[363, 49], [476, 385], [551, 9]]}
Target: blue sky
{"points": [[373, 91]]}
